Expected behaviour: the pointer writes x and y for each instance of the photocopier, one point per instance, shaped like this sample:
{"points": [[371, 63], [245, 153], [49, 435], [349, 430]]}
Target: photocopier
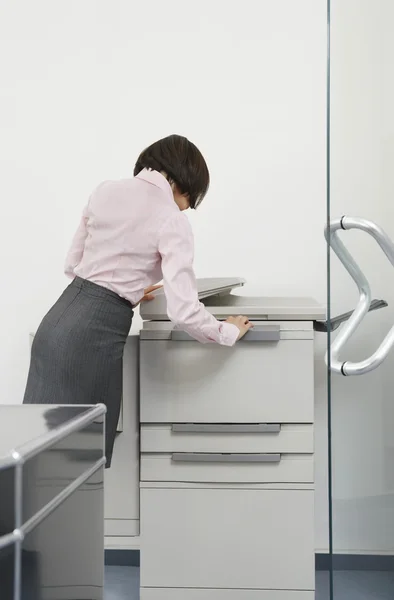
{"points": [[227, 452]]}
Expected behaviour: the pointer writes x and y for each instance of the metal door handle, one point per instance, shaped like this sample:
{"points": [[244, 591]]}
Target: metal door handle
{"points": [[225, 458], [335, 322], [364, 303], [226, 428]]}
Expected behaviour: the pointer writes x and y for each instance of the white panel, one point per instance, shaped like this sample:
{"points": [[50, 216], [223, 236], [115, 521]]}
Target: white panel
{"points": [[291, 438], [188, 594], [122, 479], [191, 382], [291, 468], [187, 539], [122, 543], [121, 527]]}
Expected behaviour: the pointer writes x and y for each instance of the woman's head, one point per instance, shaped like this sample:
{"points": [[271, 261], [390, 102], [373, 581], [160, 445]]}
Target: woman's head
{"points": [[183, 165]]}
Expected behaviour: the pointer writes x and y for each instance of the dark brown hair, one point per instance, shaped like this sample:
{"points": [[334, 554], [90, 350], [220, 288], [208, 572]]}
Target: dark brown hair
{"points": [[183, 164]]}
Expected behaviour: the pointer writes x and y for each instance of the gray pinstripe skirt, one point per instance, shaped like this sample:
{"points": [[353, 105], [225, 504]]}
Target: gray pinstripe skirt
{"points": [[77, 352]]}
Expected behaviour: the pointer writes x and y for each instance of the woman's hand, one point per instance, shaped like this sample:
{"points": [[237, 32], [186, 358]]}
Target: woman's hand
{"points": [[242, 323], [148, 293]]}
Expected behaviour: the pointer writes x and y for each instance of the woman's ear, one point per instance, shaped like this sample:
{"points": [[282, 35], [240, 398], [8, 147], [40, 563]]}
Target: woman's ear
{"points": [[174, 188]]}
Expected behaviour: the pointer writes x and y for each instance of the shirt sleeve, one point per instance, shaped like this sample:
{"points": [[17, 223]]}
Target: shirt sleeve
{"points": [[176, 248], [75, 252]]}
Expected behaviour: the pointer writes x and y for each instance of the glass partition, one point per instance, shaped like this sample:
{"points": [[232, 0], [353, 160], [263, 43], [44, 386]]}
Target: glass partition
{"points": [[361, 377]]}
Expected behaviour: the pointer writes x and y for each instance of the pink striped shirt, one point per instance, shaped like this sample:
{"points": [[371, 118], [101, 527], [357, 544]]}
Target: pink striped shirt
{"points": [[132, 235]]}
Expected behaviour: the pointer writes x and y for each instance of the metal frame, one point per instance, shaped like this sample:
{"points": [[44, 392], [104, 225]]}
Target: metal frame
{"points": [[22, 453], [17, 458], [331, 233]]}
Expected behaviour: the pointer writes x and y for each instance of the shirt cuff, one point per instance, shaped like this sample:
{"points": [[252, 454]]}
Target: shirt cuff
{"points": [[228, 333]]}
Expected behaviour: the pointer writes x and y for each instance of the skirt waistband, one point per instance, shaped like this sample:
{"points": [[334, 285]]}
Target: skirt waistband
{"points": [[98, 290]]}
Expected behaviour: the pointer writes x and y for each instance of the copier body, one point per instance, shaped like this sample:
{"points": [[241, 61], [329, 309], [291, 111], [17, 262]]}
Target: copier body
{"points": [[227, 457]]}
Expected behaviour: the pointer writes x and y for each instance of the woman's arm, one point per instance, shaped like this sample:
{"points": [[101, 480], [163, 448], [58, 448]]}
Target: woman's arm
{"points": [[176, 247], [75, 252]]}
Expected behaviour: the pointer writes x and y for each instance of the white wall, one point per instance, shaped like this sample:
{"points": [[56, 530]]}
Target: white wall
{"points": [[362, 180], [86, 85]]}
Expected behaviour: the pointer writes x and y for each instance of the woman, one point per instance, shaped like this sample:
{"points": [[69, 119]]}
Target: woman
{"points": [[132, 234]]}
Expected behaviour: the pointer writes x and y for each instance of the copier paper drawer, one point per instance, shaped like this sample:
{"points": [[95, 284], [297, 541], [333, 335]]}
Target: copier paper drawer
{"points": [[241, 539], [227, 437], [215, 467], [188, 382]]}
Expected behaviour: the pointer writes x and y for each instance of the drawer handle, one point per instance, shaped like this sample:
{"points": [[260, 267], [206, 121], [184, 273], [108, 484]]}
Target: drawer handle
{"points": [[225, 458], [226, 428], [268, 333]]}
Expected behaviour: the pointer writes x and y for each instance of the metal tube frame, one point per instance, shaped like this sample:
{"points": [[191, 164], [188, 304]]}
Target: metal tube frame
{"points": [[331, 234], [17, 457], [33, 447]]}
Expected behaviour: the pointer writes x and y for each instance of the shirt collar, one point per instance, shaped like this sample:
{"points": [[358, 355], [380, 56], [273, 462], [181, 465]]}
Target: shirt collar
{"points": [[157, 179]]}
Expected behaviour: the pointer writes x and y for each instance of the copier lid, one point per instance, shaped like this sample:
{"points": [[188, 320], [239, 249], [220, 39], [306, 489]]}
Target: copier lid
{"points": [[212, 286], [156, 310], [215, 295], [262, 308]]}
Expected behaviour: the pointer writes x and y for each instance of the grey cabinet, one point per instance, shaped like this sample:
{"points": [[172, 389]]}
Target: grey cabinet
{"points": [[227, 457], [51, 502]]}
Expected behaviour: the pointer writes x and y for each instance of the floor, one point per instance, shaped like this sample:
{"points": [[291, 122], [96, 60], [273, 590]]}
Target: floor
{"points": [[122, 583], [356, 585]]}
